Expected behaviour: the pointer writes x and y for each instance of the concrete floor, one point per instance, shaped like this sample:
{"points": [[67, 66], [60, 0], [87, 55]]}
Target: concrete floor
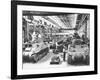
{"points": [[44, 63]]}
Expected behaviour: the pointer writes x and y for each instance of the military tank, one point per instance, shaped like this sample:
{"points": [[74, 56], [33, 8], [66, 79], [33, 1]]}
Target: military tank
{"points": [[36, 52]]}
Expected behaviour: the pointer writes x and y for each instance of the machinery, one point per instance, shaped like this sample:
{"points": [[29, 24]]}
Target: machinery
{"points": [[36, 52], [55, 60], [78, 54]]}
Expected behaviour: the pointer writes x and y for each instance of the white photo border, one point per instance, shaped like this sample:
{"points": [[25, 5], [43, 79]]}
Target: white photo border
{"points": [[53, 9]]}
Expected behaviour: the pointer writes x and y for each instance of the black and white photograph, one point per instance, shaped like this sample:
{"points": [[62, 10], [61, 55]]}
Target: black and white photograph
{"points": [[53, 39]]}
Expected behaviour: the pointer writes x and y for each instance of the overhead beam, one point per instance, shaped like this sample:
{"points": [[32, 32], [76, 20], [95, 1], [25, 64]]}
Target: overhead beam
{"points": [[83, 18], [50, 20], [67, 20], [62, 20]]}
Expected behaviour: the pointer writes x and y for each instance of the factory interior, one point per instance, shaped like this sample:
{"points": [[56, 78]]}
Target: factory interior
{"points": [[53, 38]]}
